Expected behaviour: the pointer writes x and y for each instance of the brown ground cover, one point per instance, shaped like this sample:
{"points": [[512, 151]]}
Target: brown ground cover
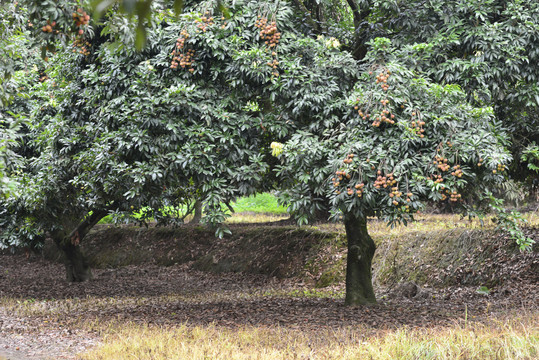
{"points": [[44, 317]]}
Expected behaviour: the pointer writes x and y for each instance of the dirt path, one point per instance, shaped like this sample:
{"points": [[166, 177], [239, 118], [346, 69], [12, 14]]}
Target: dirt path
{"points": [[45, 317]]}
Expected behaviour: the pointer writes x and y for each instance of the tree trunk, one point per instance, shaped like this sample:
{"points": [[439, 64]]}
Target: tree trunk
{"points": [[361, 250], [198, 213], [77, 268]]}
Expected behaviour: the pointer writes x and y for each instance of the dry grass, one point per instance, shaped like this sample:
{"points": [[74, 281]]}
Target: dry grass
{"points": [[429, 222], [253, 217], [515, 337]]}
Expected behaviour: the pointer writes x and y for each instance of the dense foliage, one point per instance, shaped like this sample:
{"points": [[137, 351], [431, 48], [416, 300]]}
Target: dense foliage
{"points": [[112, 130], [489, 48]]}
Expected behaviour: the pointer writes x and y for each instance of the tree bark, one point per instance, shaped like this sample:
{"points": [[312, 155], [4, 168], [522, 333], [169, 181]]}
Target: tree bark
{"points": [[361, 250], [198, 213], [359, 48], [77, 268]]}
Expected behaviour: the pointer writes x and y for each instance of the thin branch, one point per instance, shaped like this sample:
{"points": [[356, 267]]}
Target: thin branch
{"points": [[188, 211]]}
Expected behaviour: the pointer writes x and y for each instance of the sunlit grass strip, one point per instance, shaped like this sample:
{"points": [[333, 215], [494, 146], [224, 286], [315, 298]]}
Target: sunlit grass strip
{"points": [[513, 338], [259, 203], [250, 218], [428, 223]]}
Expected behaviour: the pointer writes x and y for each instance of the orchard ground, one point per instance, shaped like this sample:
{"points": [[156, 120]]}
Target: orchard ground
{"points": [[446, 289]]}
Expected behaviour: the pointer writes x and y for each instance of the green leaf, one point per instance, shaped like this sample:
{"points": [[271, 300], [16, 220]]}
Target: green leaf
{"points": [[483, 290]]}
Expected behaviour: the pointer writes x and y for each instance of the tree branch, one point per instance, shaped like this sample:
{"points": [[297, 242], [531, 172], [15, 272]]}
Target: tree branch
{"points": [[307, 14], [85, 226], [359, 49], [355, 13], [230, 207]]}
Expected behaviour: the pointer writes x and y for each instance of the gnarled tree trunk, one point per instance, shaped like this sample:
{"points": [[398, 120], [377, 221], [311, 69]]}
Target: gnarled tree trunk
{"points": [[361, 250], [77, 268]]}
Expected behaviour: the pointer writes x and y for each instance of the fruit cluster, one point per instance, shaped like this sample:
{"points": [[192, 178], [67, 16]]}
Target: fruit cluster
{"points": [[340, 175], [205, 21], [417, 125], [499, 168], [82, 47], [395, 194], [441, 163], [224, 24], [349, 159], [359, 190], [271, 37], [454, 196], [381, 79], [361, 114], [268, 31], [457, 171], [180, 56], [81, 18], [480, 162], [384, 117], [384, 181], [436, 178], [49, 27], [356, 190], [273, 64]]}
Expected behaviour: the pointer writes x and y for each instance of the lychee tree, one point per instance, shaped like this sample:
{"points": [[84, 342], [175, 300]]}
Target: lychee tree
{"points": [[402, 140], [112, 131]]}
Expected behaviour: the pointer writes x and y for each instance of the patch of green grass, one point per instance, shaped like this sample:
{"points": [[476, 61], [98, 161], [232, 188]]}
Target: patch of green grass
{"points": [[259, 203]]}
